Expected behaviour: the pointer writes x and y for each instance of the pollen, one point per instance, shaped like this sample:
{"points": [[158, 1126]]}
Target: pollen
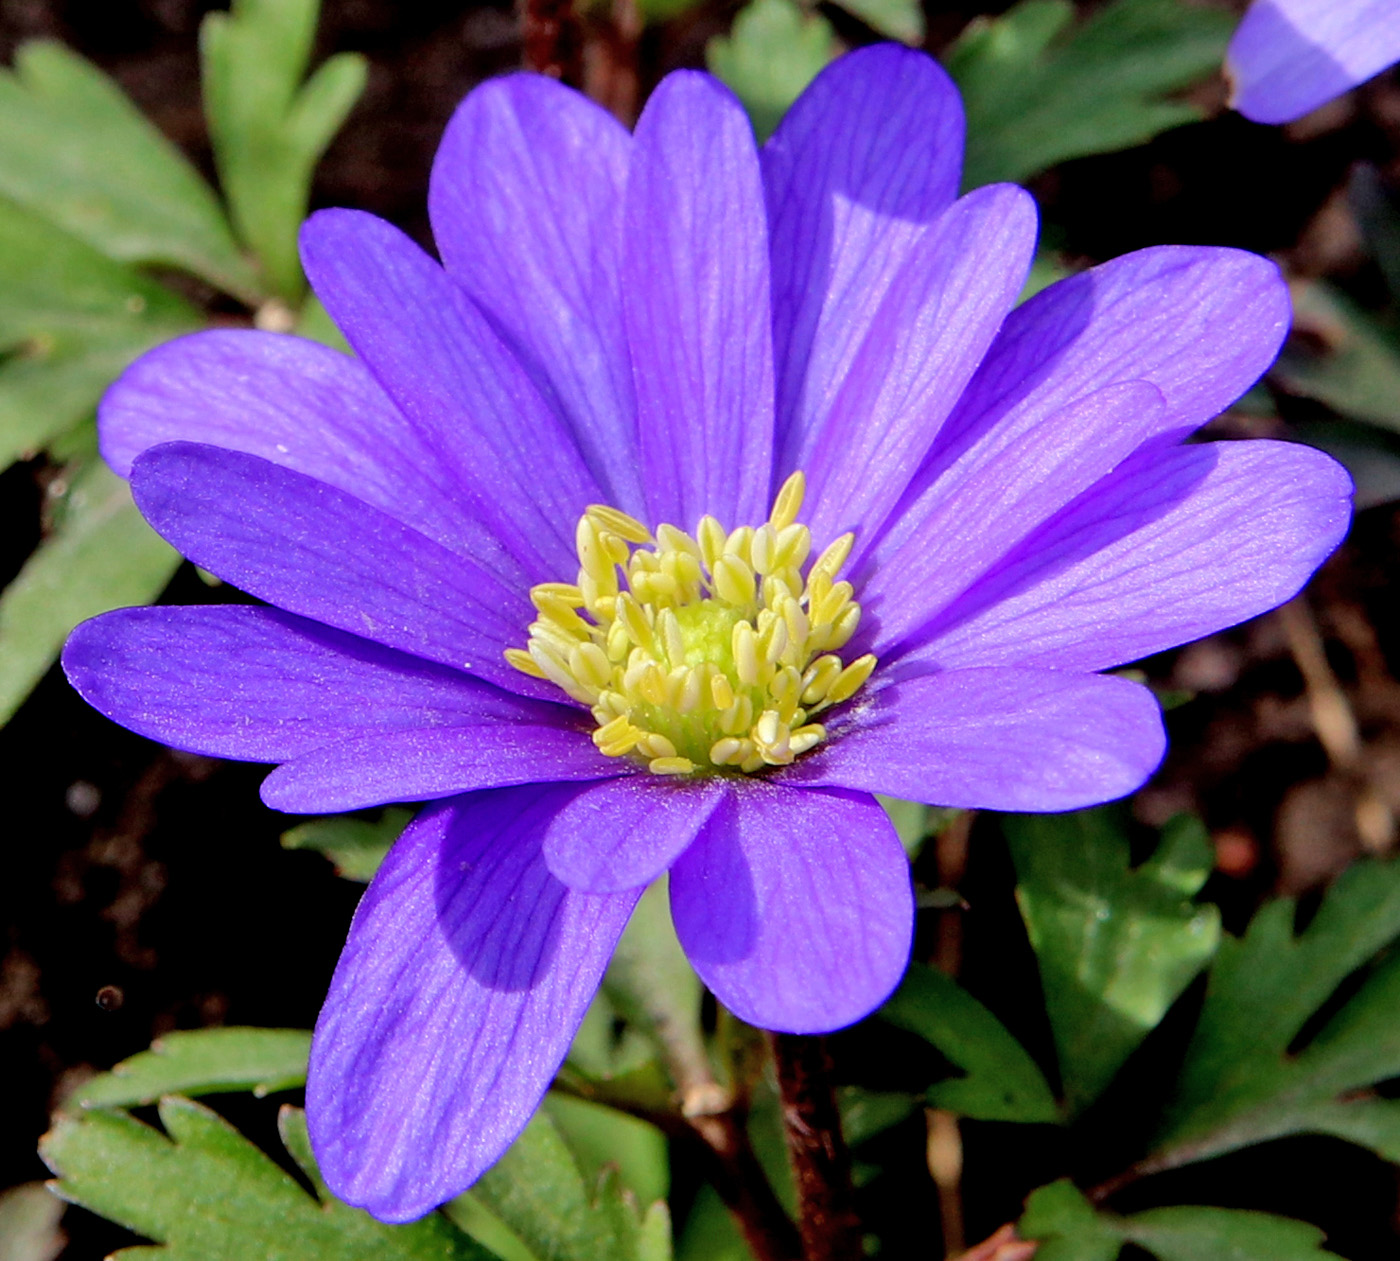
{"points": [[700, 653]]}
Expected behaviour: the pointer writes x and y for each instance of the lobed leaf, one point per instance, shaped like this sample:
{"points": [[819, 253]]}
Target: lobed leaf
{"points": [[207, 1194], [269, 129], [1244, 1080], [773, 51], [100, 555], [70, 320], [1071, 1230], [76, 151], [1002, 1082], [203, 1061], [898, 19], [1039, 90], [539, 1192], [1115, 945]]}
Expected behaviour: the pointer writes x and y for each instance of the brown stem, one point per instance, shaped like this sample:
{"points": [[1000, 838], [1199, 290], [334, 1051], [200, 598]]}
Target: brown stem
{"points": [[1005, 1245], [737, 1176], [553, 39], [821, 1165]]}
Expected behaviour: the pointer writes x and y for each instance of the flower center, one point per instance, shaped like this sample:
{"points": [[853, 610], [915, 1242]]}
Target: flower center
{"points": [[705, 651]]}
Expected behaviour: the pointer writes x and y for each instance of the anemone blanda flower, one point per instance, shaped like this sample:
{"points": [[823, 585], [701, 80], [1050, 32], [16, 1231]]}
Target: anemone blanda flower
{"points": [[702, 493], [1287, 57]]}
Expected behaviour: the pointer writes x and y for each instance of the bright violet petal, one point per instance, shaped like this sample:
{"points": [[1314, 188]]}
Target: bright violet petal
{"points": [[695, 306], [318, 552], [626, 832], [889, 363], [1287, 57], [1201, 325], [795, 906], [467, 970], [1175, 545], [526, 203], [261, 685], [1006, 485], [867, 157], [432, 762], [995, 739], [295, 403], [512, 459]]}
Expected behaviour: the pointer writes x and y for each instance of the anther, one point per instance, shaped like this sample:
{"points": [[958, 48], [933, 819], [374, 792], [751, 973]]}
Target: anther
{"points": [[788, 501], [619, 523]]}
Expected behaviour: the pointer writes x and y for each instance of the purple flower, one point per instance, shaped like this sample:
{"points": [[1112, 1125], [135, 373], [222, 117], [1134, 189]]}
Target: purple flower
{"points": [[1287, 57], [476, 597]]}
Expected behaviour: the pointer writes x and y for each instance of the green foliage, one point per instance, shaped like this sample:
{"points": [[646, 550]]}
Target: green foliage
{"points": [[268, 128], [70, 320], [599, 1136], [1002, 1082], [207, 1194], [1115, 945], [897, 19], [774, 50], [1073, 1231], [356, 846], [203, 1061], [99, 555], [29, 1223], [1039, 90], [74, 150], [1244, 1080], [538, 1190]]}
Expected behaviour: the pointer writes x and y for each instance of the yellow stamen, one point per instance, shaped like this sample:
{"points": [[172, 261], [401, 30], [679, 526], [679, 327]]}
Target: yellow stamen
{"points": [[701, 653]]}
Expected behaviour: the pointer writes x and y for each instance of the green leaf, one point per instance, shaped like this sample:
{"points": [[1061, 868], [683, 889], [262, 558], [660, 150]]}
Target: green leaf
{"points": [[76, 151], [599, 1136], [356, 846], [269, 129], [1115, 945], [539, 1192], [101, 555], [773, 51], [70, 320], [710, 1233], [1244, 1081], [1002, 1082], [203, 1061], [1039, 90], [208, 1194], [1347, 358], [1071, 1230], [29, 1217], [899, 19]]}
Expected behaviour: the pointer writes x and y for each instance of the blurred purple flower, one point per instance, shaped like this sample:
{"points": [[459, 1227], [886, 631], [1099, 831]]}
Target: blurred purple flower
{"points": [[670, 324], [1287, 57]]}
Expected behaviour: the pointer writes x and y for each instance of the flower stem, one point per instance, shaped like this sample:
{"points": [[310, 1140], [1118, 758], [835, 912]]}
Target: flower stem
{"points": [[553, 39], [821, 1164]]}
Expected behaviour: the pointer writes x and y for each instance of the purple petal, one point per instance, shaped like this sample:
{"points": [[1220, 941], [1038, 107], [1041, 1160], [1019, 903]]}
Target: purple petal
{"points": [[695, 304], [318, 552], [467, 971], [890, 359], [526, 203], [260, 685], [867, 157], [626, 832], [431, 762], [795, 906], [295, 403], [1288, 57], [514, 463], [1175, 545], [995, 739], [1011, 481]]}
